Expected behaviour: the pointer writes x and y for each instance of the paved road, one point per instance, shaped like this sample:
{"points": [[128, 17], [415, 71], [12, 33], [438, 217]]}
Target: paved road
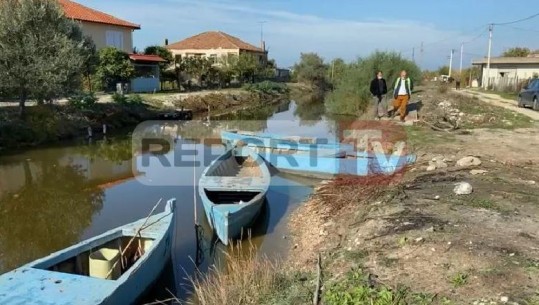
{"points": [[497, 100]]}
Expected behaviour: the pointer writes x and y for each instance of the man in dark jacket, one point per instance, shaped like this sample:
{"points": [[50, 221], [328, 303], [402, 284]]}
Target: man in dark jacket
{"points": [[378, 91]]}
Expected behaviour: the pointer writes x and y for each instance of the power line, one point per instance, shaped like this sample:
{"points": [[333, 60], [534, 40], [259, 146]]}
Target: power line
{"points": [[517, 21], [451, 37], [477, 37], [520, 29]]}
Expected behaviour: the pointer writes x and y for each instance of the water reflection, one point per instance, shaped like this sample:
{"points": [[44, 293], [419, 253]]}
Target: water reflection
{"points": [[48, 212], [51, 198]]}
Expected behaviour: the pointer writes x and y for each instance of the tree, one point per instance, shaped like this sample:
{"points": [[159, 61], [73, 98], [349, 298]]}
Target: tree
{"points": [[336, 70], [40, 50], [444, 70], [114, 66], [246, 67], [517, 52], [165, 54], [311, 69], [90, 60]]}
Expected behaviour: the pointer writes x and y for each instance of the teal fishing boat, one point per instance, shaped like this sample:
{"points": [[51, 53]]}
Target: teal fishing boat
{"points": [[233, 189], [358, 164], [285, 144], [116, 267]]}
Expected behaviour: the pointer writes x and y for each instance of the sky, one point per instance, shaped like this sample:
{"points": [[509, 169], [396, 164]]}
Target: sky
{"points": [[349, 29]]}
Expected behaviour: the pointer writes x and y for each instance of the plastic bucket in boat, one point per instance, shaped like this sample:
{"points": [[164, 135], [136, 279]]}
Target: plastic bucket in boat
{"points": [[102, 261]]}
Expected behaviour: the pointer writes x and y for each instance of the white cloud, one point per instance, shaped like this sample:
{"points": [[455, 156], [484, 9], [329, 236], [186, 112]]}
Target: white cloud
{"points": [[286, 33]]}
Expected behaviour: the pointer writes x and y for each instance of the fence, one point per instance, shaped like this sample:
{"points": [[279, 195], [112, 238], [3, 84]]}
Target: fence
{"points": [[507, 84]]}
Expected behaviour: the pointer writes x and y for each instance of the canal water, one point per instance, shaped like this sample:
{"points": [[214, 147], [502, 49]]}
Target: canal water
{"points": [[54, 197]]}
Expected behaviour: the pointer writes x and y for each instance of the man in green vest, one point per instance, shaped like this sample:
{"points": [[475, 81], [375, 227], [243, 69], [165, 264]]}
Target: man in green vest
{"points": [[402, 91]]}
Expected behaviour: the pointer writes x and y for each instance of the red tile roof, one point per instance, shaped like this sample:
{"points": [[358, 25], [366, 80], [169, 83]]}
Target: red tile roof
{"points": [[80, 12], [142, 57], [213, 40]]}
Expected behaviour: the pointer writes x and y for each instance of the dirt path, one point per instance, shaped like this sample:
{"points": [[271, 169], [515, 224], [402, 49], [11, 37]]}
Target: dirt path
{"points": [[413, 230], [496, 100]]}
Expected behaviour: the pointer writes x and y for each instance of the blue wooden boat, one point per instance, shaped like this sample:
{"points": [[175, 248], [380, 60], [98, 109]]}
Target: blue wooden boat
{"points": [[233, 189], [360, 164], [94, 271], [285, 144]]}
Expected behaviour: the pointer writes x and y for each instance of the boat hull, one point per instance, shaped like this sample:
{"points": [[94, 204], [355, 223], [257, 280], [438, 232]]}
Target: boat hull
{"points": [[280, 144], [328, 167], [233, 203], [35, 284], [230, 226]]}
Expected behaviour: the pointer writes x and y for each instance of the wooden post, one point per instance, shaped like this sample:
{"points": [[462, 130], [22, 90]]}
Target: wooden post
{"points": [[195, 193], [316, 297]]}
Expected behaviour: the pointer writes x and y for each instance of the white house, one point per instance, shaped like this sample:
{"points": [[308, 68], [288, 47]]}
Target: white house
{"points": [[507, 71]]}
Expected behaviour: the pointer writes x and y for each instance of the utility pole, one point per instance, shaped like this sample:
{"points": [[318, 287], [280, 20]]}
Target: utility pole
{"points": [[332, 70], [421, 55], [486, 83], [413, 54], [461, 55], [262, 32], [451, 62]]}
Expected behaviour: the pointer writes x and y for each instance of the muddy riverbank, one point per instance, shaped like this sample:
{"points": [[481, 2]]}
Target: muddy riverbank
{"points": [[410, 238], [47, 124]]}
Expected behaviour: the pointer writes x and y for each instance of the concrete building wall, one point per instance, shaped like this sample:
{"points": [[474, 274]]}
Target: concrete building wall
{"points": [[520, 70], [215, 53], [509, 74], [99, 32]]}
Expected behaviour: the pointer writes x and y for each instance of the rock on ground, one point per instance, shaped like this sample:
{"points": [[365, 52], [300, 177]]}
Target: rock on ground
{"points": [[469, 161], [463, 188]]}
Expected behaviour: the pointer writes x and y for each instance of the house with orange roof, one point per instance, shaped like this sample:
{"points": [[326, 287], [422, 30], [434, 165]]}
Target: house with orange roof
{"points": [[109, 31], [216, 45], [104, 29]]}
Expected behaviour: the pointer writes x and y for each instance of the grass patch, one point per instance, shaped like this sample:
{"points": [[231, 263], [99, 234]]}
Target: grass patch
{"points": [[249, 279], [356, 288], [502, 94], [459, 279], [355, 256], [480, 114], [388, 261], [422, 137], [402, 241], [482, 203]]}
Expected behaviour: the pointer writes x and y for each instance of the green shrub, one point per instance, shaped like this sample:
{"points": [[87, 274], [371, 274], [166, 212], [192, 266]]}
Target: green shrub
{"points": [[135, 100], [267, 87], [82, 100], [119, 98], [351, 95], [357, 289], [127, 100]]}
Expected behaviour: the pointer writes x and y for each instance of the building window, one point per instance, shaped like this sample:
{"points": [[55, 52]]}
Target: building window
{"points": [[115, 39], [213, 58]]}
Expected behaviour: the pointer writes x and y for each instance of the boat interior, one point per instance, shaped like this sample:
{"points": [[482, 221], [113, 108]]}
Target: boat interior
{"points": [[106, 261], [225, 197], [237, 166]]}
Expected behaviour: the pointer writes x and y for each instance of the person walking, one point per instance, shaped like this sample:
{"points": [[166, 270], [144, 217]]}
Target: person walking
{"points": [[378, 91], [402, 92]]}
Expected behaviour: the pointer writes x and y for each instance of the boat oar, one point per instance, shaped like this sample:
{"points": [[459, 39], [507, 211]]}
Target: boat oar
{"points": [[133, 238]]}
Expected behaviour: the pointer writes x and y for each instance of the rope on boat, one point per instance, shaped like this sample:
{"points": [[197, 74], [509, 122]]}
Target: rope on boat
{"points": [[142, 227]]}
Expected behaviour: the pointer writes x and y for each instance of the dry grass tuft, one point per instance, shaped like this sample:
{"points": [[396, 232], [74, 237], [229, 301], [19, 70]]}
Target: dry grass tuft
{"points": [[347, 190], [245, 278]]}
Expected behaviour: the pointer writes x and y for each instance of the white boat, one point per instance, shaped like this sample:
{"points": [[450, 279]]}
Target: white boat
{"points": [[116, 267]]}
